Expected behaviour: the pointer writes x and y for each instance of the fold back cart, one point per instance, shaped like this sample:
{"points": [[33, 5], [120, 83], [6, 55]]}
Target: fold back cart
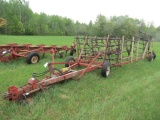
{"points": [[93, 53]]}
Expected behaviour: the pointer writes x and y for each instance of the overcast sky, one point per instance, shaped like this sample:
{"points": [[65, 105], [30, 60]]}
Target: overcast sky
{"points": [[86, 10]]}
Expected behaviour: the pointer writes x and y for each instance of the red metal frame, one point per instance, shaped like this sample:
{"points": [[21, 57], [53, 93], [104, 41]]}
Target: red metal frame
{"points": [[15, 94]]}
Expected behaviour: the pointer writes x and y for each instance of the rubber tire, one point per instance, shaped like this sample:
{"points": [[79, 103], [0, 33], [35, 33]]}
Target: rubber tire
{"points": [[104, 69], [30, 55], [72, 52], [154, 55], [151, 57], [70, 58]]}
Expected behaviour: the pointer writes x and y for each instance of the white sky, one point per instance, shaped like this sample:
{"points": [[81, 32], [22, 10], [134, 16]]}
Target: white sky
{"points": [[86, 10]]}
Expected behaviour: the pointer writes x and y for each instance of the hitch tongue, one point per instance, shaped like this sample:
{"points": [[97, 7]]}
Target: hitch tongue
{"points": [[13, 90]]}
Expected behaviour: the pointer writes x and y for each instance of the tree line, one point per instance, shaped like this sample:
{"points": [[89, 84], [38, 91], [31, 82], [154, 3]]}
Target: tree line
{"points": [[21, 20]]}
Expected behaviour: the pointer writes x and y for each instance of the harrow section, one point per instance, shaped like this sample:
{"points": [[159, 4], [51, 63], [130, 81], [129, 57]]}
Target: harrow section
{"points": [[117, 51]]}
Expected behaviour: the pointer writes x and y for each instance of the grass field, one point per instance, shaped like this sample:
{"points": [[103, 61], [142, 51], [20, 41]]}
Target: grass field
{"points": [[132, 92]]}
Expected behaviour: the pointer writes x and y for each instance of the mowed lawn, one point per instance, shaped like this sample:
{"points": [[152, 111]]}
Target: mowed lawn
{"points": [[132, 92]]}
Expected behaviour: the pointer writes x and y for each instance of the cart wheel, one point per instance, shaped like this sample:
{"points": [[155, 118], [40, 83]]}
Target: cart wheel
{"points": [[106, 69], [154, 55], [33, 58], [72, 52], [69, 59]]}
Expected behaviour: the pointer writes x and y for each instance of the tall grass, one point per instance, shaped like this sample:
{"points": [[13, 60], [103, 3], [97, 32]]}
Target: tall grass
{"points": [[132, 92]]}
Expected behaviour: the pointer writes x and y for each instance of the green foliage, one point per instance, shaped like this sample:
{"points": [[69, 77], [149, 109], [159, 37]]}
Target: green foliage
{"points": [[158, 34], [131, 92], [22, 21], [100, 25], [80, 29]]}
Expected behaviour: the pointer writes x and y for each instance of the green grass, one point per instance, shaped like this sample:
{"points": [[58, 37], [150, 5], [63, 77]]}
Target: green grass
{"points": [[132, 92], [35, 40]]}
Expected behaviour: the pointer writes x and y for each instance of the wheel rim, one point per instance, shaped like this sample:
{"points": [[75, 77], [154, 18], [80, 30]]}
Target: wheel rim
{"points": [[152, 59], [70, 62], [108, 71], [34, 59]]}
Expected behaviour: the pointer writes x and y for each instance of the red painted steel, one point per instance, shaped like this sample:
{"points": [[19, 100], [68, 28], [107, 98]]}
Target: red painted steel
{"points": [[15, 94]]}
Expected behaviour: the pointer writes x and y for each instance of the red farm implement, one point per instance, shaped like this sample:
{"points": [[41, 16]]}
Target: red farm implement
{"points": [[93, 53], [31, 53]]}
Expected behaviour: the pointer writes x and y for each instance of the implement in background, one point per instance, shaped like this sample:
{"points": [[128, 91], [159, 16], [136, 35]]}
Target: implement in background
{"points": [[31, 52]]}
